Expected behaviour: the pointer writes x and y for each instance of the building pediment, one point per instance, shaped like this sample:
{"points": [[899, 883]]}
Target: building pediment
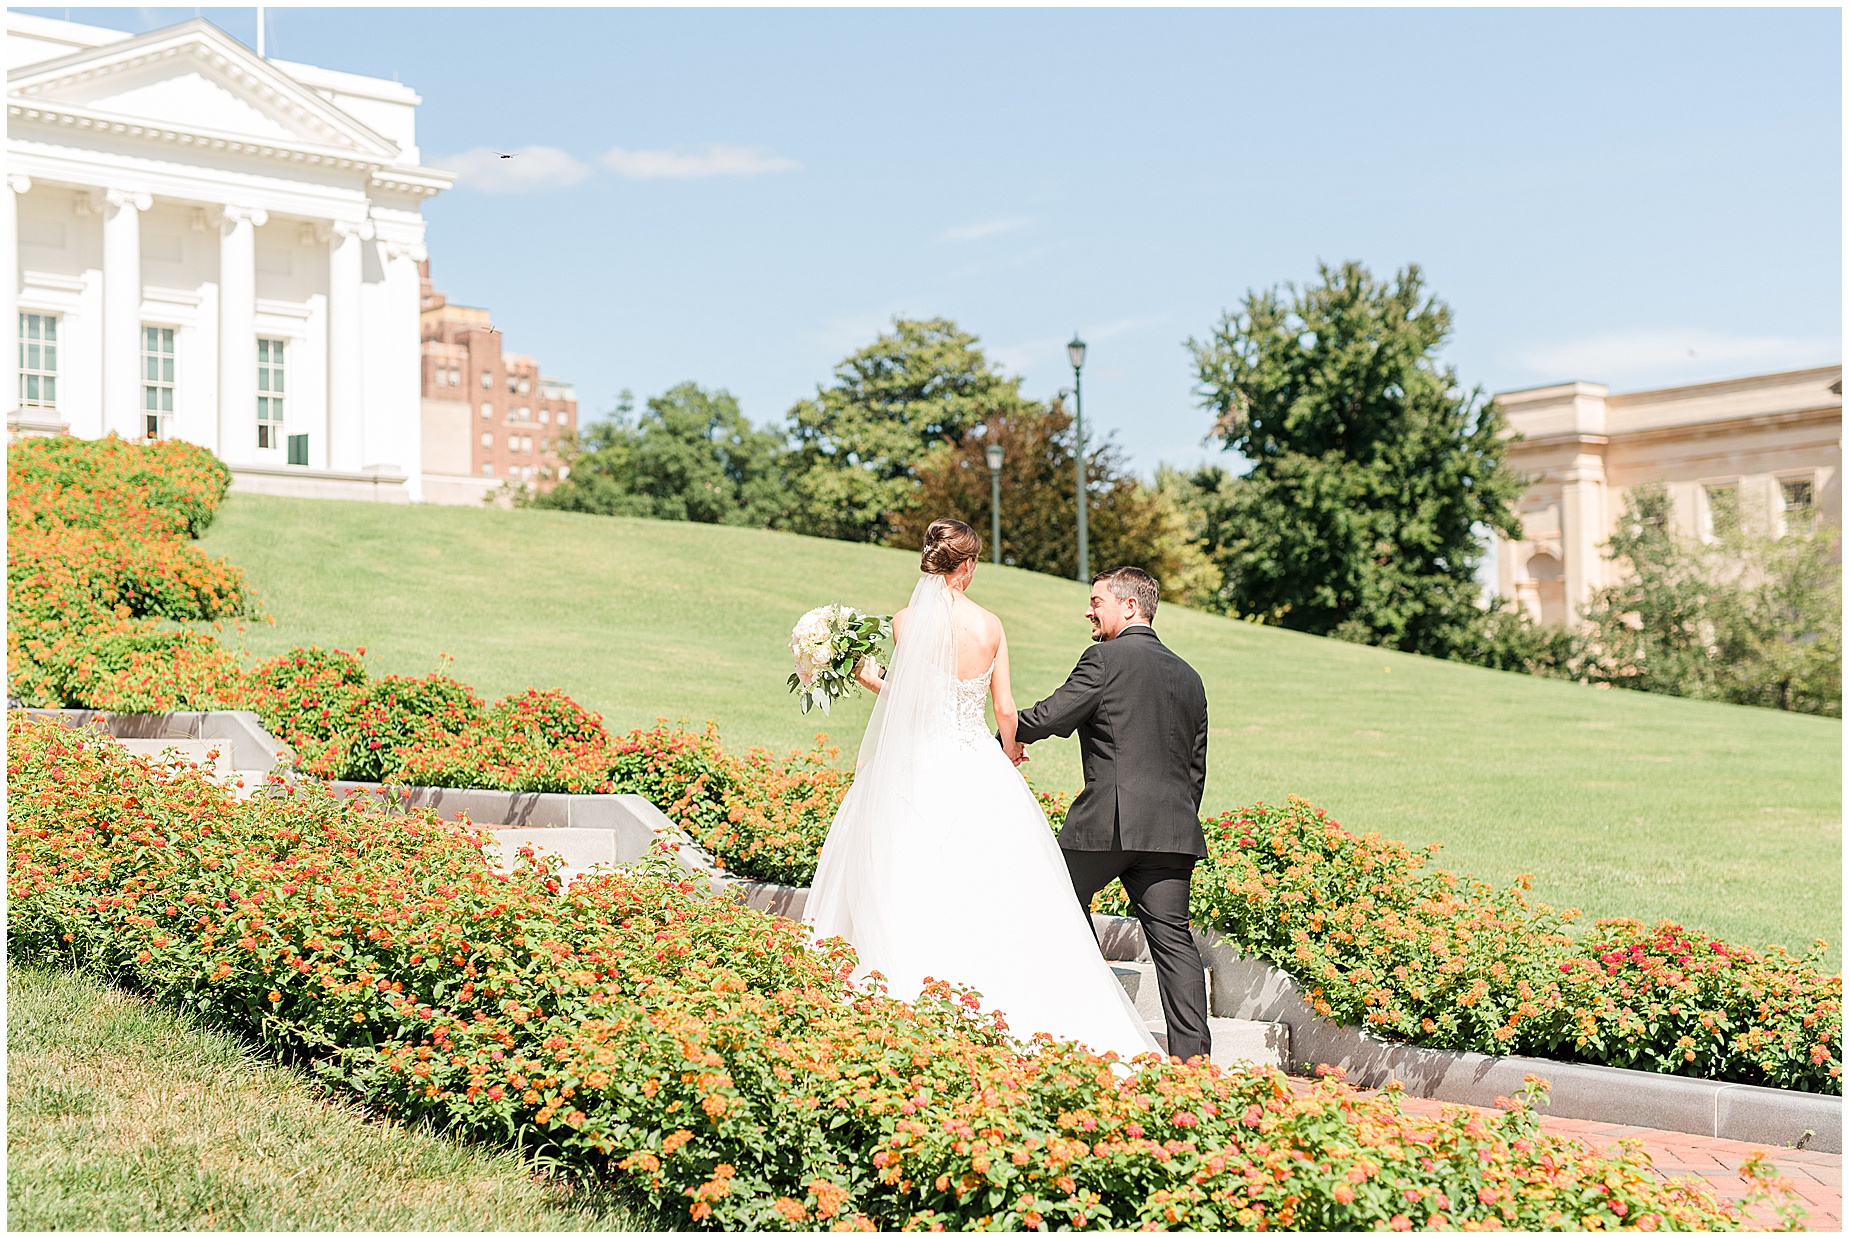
{"points": [[191, 79]]}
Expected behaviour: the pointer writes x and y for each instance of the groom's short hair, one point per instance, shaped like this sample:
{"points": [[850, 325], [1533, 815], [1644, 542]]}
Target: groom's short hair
{"points": [[1132, 585]]}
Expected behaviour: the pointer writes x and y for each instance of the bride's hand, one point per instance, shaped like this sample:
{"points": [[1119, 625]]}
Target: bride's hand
{"points": [[868, 673]]}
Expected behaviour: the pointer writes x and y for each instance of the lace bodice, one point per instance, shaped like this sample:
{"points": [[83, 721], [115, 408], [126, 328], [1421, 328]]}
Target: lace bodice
{"points": [[966, 716]]}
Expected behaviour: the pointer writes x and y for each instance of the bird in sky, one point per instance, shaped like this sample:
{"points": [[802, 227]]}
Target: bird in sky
{"points": [[507, 156]]}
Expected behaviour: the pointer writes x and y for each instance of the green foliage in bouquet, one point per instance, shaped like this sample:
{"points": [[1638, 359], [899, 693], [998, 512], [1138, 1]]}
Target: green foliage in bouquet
{"points": [[828, 643]]}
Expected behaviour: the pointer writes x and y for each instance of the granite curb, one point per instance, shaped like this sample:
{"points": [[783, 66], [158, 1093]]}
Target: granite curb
{"points": [[252, 747]]}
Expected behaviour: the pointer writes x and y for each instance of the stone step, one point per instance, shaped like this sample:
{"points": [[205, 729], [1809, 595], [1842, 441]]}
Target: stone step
{"points": [[1240, 1043], [1139, 981]]}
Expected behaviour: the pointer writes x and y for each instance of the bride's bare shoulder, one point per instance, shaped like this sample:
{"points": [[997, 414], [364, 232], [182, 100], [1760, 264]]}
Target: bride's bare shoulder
{"points": [[990, 622]]}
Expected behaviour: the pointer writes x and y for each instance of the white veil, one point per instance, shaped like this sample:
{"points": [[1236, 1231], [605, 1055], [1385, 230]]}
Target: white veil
{"points": [[882, 826]]}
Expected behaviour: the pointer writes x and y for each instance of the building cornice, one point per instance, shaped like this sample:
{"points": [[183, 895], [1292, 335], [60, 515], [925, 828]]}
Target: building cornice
{"points": [[82, 120], [1680, 430]]}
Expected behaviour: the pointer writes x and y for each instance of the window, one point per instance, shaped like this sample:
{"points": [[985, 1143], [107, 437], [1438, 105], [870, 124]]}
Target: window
{"points": [[156, 382], [564, 472], [1797, 503], [487, 471], [526, 443], [1723, 510], [453, 376], [298, 450], [38, 361], [488, 441], [487, 409], [487, 379], [563, 417], [524, 414], [545, 416], [269, 393], [526, 385], [513, 382]]}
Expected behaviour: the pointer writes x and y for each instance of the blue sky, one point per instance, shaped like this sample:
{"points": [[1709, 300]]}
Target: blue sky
{"points": [[742, 197]]}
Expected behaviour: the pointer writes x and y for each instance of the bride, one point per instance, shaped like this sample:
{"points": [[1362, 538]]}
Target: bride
{"points": [[940, 862]]}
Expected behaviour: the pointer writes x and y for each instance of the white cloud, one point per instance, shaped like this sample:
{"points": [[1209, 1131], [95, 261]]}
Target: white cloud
{"points": [[713, 161], [976, 232], [1655, 355], [531, 169]]}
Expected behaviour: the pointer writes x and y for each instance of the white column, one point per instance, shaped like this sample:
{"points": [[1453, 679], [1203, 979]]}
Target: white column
{"points": [[16, 183], [237, 333], [346, 413], [122, 311], [1582, 529]]}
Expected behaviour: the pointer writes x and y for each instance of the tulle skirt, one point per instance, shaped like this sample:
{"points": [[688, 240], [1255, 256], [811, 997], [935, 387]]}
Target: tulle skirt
{"points": [[955, 875]]}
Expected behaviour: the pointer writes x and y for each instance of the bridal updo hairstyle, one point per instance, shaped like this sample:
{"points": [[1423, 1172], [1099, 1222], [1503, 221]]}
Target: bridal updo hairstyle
{"points": [[948, 544]]}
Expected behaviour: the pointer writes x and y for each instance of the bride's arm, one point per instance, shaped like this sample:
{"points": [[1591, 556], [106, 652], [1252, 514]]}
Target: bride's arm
{"points": [[871, 680], [1001, 693]]}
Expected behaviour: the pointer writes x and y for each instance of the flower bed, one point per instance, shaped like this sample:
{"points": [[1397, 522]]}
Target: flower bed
{"points": [[1379, 937], [98, 551], [698, 1055]]}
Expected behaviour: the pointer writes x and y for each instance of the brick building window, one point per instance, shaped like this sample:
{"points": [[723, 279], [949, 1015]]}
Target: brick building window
{"points": [[488, 411], [157, 382], [487, 379], [488, 472], [38, 361], [269, 393], [488, 441]]}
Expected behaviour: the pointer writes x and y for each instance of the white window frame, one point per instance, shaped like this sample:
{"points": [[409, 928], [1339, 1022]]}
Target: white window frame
{"points": [[272, 392], [487, 409], [157, 421], [38, 359]]}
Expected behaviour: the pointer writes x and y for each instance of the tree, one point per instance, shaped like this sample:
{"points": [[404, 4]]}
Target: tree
{"points": [[1372, 470], [1749, 617], [1131, 522], [859, 443], [690, 456]]}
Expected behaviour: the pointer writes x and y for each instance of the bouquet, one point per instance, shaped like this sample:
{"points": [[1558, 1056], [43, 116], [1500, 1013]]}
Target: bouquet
{"points": [[828, 644]]}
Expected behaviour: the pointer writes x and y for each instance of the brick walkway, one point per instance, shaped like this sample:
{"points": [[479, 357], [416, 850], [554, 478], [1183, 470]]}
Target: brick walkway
{"points": [[1817, 1177]]}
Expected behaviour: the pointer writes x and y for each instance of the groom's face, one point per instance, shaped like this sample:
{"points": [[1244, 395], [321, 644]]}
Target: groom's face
{"points": [[1108, 613]]}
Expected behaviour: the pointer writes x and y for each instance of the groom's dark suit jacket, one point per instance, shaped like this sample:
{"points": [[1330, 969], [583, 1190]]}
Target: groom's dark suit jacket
{"points": [[1141, 715]]}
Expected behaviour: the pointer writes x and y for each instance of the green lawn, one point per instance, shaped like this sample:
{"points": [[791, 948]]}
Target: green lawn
{"points": [[124, 1115], [1726, 818]]}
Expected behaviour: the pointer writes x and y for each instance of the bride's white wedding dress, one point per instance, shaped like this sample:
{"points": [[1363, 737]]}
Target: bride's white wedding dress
{"points": [[940, 862]]}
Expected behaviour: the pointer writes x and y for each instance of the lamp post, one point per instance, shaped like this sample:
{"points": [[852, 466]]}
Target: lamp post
{"points": [[994, 453], [1075, 352]]}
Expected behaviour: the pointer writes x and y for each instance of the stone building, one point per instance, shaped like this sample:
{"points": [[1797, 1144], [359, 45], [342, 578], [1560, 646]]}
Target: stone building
{"points": [[1766, 448], [490, 418], [204, 244]]}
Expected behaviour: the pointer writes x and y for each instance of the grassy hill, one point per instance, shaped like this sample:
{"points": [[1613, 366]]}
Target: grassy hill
{"points": [[1723, 817]]}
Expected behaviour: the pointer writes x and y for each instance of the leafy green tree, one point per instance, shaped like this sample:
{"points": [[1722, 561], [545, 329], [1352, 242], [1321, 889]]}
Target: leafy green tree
{"points": [[1131, 522], [690, 456], [1748, 617], [918, 389], [1372, 470]]}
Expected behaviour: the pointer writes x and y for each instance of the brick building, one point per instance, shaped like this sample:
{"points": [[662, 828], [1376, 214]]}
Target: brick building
{"points": [[491, 419]]}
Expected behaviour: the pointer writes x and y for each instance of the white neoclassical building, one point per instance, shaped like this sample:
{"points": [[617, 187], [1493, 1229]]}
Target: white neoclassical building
{"points": [[1766, 447], [207, 245]]}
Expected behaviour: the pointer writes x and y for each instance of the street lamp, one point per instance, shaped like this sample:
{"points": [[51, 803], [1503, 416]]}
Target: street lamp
{"points": [[1075, 351], [994, 453]]}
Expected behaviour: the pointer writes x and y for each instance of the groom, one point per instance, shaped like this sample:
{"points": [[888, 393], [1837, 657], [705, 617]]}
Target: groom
{"points": [[1141, 715]]}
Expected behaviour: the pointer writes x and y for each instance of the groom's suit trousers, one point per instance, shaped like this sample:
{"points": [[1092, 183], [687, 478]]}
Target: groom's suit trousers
{"points": [[1157, 883]]}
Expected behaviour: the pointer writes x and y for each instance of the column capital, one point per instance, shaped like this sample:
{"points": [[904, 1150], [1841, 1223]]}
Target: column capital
{"points": [[139, 199], [414, 250], [18, 182], [234, 214], [344, 228]]}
